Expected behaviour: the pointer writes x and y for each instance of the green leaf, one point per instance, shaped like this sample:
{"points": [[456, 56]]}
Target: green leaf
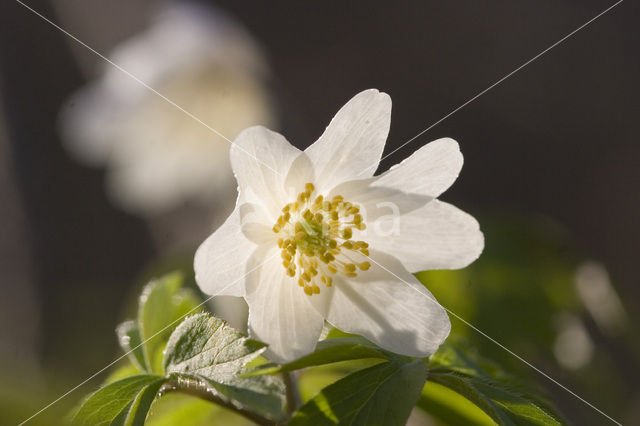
{"points": [[450, 407], [205, 348], [162, 306], [383, 394], [142, 403], [125, 402], [329, 351], [131, 342], [505, 406], [499, 395], [122, 372], [185, 410]]}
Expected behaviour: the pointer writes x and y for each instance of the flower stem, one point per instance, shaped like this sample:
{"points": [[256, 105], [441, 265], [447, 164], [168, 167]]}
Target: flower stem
{"points": [[199, 389], [293, 394]]}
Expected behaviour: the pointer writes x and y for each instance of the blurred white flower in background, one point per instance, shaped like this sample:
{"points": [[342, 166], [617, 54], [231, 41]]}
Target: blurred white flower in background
{"points": [[600, 298], [573, 347], [156, 156]]}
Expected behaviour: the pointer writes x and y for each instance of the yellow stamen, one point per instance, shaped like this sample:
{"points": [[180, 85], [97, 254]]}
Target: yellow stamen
{"points": [[316, 240]]}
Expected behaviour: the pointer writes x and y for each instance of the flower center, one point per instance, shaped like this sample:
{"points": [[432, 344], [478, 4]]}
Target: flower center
{"points": [[316, 240]]}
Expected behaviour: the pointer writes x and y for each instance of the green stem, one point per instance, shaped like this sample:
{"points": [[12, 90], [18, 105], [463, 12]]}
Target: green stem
{"points": [[199, 389], [293, 395]]}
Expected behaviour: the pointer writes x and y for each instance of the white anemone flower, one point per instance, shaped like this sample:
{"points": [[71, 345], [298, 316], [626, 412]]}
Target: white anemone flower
{"points": [[156, 156], [307, 241]]}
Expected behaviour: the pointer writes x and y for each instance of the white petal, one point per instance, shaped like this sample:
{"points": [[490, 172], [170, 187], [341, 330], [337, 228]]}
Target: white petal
{"points": [[377, 201], [261, 160], [279, 311], [435, 236], [388, 306], [221, 260], [300, 172], [428, 171], [257, 224], [352, 144]]}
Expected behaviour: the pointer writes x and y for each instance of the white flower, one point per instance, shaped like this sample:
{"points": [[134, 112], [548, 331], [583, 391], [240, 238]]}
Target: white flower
{"points": [[299, 248], [156, 156]]}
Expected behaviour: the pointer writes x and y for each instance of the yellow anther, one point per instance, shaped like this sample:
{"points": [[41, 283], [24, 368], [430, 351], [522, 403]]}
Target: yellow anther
{"points": [[307, 215], [316, 238], [327, 280], [350, 267], [364, 266]]}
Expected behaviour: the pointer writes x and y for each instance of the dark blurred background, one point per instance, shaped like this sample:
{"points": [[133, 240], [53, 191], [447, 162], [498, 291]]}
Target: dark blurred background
{"points": [[557, 141]]}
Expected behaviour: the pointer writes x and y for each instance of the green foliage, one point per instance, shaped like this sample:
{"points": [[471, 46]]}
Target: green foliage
{"points": [[205, 348], [329, 351], [450, 407], [121, 372], [124, 402], [383, 394], [131, 342], [462, 389], [184, 410], [162, 305], [358, 382], [500, 396]]}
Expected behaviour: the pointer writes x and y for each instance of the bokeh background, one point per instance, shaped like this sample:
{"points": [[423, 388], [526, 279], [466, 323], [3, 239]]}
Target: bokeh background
{"points": [[552, 167]]}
